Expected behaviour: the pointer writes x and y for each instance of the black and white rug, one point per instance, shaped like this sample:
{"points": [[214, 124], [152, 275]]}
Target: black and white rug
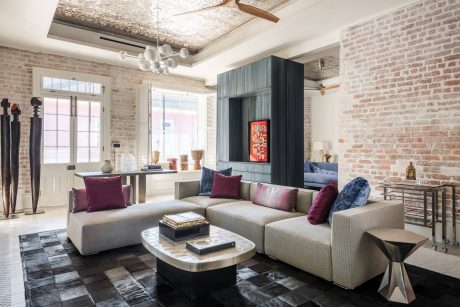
{"points": [[55, 274]]}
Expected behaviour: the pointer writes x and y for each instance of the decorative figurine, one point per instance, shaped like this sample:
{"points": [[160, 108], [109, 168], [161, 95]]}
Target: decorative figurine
{"points": [[327, 156], [197, 155], [6, 155], [411, 172], [36, 123], [15, 141]]}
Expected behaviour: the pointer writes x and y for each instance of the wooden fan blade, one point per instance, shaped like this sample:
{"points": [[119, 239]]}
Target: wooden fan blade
{"points": [[256, 12], [224, 3], [325, 88]]}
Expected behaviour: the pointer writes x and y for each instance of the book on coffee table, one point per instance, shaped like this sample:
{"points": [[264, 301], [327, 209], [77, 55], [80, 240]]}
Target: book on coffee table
{"points": [[183, 220], [208, 245]]}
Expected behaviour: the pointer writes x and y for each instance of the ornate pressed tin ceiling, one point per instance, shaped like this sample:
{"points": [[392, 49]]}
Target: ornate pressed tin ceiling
{"points": [[136, 19], [331, 69]]}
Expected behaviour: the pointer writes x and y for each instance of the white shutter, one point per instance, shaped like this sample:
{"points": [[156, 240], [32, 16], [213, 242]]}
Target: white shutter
{"points": [[143, 124], [211, 130]]}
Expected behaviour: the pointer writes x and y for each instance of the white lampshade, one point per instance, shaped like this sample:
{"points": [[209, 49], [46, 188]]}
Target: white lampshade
{"points": [[320, 145]]}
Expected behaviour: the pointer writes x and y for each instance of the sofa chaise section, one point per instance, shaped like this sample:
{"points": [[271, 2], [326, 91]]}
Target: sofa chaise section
{"points": [[104, 230], [301, 244], [246, 219]]}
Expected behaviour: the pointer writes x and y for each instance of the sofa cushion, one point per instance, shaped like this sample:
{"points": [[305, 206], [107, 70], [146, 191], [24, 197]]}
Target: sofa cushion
{"points": [[226, 186], [280, 198], [103, 230], [321, 206], [104, 193], [301, 244], [354, 194], [320, 178], [246, 219], [206, 201], [80, 202], [304, 197], [207, 178]]}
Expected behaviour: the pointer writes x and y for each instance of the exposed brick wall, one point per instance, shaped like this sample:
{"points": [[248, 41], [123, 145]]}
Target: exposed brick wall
{"points": [[400, 85], [307, 127], [16, 84]]}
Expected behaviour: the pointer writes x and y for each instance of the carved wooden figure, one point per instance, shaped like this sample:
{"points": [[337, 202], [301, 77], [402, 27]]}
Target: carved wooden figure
{"points": [[15, 141], [5, 159], [34, 152]]}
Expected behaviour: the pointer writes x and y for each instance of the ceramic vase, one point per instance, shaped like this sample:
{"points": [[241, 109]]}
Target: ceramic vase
{"points": [[106, 167], [184, 162], [172, 163], [155, 156]]}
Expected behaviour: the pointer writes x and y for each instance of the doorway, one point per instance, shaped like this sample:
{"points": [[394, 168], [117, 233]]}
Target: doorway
{"points": [[75, 129]]}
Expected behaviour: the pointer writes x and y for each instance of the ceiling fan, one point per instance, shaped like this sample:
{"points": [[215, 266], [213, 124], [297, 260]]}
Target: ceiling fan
{"points": [[321, 88], [249, 9]]}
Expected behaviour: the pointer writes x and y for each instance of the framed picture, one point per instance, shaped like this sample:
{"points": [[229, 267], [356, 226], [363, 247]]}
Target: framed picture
{"points": [[259, 141]]}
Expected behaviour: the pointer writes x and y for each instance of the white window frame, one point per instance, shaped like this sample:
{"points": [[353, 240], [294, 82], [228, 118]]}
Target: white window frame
{"points": [[38, 91], [201, 111]]}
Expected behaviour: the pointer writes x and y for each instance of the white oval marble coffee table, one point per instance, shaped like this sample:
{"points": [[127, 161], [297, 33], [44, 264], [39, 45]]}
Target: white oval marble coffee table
{"points": [[197, 275]]}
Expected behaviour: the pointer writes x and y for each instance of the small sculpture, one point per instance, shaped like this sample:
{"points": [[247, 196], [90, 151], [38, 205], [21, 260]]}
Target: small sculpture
{"points": [[327, 156], [411, 172]]}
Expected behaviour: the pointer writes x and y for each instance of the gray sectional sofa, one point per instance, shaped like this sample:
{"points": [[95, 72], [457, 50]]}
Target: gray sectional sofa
{"points": [[340, 253]]}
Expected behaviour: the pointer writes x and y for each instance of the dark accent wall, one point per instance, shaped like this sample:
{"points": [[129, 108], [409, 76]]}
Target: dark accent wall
{"points": [[271, 88]]}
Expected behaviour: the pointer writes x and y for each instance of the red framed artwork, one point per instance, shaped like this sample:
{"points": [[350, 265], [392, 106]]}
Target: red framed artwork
{"points": [[259, 145]]}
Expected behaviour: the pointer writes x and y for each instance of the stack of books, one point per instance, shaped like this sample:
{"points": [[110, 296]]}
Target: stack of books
{"points": [[184, 220], [183, 226]]}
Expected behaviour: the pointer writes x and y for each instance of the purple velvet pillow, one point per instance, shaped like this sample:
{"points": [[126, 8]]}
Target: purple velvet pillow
{"points": [[104, 193], [226, 186], [280, 198], [321, 206], [79, 202]]}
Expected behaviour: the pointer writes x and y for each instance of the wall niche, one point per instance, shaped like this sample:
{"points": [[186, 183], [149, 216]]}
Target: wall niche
{"points": [[269, 89]]}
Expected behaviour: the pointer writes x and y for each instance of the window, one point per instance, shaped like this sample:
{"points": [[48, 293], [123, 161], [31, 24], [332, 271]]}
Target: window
{"points": [[174, 124], [71, 85]]}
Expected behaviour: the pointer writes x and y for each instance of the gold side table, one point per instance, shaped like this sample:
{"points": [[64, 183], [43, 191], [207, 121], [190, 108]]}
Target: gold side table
{"points": [[396, 245]]}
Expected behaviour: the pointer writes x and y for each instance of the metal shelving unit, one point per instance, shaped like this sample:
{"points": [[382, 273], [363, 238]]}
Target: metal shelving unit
{"points": [[431, 196]]}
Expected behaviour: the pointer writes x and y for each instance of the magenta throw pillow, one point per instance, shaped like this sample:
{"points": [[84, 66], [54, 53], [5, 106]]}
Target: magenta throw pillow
{"points": [[280, 198], [79, 202], [226, 186], [321, 206], [104, 193]]}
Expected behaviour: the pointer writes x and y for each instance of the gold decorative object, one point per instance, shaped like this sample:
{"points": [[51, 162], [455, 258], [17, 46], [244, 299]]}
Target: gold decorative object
{"points": [[411, 172], [197, 155], [184, 162], [155, 156]]}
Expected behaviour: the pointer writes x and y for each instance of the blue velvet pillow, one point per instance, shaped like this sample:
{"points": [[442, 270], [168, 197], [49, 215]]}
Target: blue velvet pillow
{"points": [[320, 170], [207, 178], [354, 194]]}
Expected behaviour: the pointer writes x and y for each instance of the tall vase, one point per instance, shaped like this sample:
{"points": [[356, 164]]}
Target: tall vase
{"points": [[35, 154], [5, 159], [15, 141]]}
